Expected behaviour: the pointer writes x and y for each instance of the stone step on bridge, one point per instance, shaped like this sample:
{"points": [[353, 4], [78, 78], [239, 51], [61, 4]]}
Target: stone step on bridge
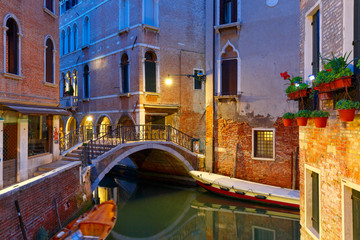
{"points": [[152, 148]]}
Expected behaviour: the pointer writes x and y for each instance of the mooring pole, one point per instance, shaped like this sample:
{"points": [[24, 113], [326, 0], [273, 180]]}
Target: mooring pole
{"points": [[57, 213], [20, 219]]}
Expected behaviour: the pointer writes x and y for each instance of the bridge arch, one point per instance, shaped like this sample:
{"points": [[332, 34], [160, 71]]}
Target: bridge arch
{"points": [[133, 148]]}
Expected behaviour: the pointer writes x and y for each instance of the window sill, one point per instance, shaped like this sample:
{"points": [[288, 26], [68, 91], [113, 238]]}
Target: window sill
{"points": [[263, 159], [13, 76], [151, 28], [124, 30], [85, 100], [50, 12], [49, 84], [85, 47], [313, 233], [236, 25], [151, 94], [124, 95], [228, 97]]}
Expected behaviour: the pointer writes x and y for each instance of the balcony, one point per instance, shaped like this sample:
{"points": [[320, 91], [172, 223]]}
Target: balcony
{"points": [[69, 102]]}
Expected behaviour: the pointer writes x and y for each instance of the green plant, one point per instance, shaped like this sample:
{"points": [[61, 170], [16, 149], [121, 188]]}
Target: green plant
{"points": [[288, 115], [347, 104], [303, 113], [84, 144], [319, 113], [334, 68], [296, 83]]}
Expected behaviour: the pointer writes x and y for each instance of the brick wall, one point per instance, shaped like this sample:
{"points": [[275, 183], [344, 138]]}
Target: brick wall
{"points": [[36, 201], [334, 151], [234, 139]]}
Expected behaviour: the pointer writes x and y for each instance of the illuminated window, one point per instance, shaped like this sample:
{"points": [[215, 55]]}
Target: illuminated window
{"points": [[263, 144]]}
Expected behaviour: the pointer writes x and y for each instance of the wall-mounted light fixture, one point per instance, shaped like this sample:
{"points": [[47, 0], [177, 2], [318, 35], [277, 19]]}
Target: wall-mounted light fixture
{"points": [[198, 77]]}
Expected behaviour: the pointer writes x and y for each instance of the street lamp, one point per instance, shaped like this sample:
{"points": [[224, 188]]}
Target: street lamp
{"points": [[198, 77]]}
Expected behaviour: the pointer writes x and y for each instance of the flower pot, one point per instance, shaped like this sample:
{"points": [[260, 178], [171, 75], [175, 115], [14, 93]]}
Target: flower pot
{"points": [[324, 87], [298, 94], [287, 122], [340, 83], [301, 121], [347, 115], [320, 122]]}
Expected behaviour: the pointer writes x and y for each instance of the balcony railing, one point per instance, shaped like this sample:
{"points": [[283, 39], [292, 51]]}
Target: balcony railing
{"points": [[69, 101]]}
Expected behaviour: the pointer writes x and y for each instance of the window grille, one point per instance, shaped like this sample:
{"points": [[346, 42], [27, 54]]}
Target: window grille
{"points": [[263, 144]]}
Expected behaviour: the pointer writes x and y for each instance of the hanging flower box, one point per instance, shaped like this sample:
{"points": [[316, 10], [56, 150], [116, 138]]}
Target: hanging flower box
{"points": [[297, 94], [324, 87], [340, 83]]}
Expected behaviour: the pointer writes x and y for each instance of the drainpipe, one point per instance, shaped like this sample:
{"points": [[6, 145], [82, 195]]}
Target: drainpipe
{"points": [[213, 102]]}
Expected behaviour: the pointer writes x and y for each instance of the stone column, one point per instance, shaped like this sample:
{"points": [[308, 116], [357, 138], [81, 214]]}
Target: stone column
{"points": [[1, 152], [56, 138], [22, 166]]}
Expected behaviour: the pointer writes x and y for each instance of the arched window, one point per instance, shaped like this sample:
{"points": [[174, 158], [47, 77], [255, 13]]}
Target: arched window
{"points": [[49, 61], [229, 73], [150, 72], [125, 73], [69, 87], [68, 39], [49, 4], [12, 50], [86, 82], [75, 83], [63, 42], [86, 31], [75, 37], [63, 81]]}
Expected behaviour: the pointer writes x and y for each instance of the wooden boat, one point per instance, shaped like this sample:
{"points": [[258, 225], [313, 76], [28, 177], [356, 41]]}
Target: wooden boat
{"points": [[246, 190], [95, 224]]}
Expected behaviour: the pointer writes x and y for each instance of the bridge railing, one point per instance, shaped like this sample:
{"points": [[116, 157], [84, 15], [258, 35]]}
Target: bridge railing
{"points": [[81, 134], [134, 133]]}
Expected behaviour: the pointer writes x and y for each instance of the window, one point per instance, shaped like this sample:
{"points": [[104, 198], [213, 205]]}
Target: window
{"points": [[86, 82], [75, 83], [197, 81], [67, 4], [63, 42], [75, 37], [150, 72], [260, 233], [63, 80], [356, 41], [49, 61], [263, 144], [229, 74], [351, 206], [68, 39], [312, 198], [49, 4], [228, 11], [86, 32], [125, 73], [149, 13], [316, 43], [12, 50], [124, 14], [40, 133], [69, 88]]}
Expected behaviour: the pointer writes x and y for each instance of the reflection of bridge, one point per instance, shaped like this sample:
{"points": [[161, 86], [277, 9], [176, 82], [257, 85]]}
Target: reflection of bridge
{"points": [[153, 148]]}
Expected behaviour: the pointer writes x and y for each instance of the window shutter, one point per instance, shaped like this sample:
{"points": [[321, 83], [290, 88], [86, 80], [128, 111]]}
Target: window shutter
{"points": [[356, 34], [150, 77], [356, 214], [229, 77], [125, 78], [12, 45], [222, 13], [49, 62], [233, 10], [315, 201], [316, 43]]}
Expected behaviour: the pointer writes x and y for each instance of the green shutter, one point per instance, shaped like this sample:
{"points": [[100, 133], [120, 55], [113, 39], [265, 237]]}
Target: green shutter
{"points": [[356, 214], [316, 43], [315, 201], [150, 77], [356, 35]]}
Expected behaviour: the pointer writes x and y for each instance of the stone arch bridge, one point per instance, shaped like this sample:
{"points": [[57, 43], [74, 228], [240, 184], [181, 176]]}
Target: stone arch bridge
{"points": [[152, 148]]}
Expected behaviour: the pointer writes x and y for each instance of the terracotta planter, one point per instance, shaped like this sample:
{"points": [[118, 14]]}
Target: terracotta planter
{"points": [[324, 87], [301, 121], [298, 94], [340, 83], [347, 115], [287, 122], [320, 122]]}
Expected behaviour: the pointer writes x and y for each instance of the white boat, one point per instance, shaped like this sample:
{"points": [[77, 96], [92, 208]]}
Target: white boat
{"points": [[241, 189]]}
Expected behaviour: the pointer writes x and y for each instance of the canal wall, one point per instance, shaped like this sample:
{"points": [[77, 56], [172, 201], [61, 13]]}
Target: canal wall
{"points": [[36, 201]]}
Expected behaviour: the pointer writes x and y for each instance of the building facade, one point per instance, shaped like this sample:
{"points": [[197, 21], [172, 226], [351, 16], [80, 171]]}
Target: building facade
{"points": [[29, 88], [248, 45], [329, 157], [116, 55]]}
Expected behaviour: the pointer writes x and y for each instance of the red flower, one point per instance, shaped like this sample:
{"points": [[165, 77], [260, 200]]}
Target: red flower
{"points": [[285, 75], [316, 88], [329, 70]]}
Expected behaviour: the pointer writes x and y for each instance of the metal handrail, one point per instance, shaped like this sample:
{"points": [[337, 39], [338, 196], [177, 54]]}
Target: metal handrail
{"points": [[134, 133]]}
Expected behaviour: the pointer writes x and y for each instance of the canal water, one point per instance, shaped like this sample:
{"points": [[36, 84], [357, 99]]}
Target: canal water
{"points": [[156, 211]]}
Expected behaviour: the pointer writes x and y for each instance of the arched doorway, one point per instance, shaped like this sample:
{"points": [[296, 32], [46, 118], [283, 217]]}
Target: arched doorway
{"points": [[86, 128], [128, 127], [70, 139], [70, 125], [103, 126]]}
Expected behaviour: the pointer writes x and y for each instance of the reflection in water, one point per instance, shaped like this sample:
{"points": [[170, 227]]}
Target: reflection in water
{"points": [[148, 211]]}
